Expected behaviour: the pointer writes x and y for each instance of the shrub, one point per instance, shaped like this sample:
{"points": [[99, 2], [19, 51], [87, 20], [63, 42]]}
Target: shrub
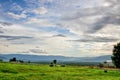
{"points": [[1, 60], [51, 65], [62, 65], [100, 65], [105, 71], [13, 59]]}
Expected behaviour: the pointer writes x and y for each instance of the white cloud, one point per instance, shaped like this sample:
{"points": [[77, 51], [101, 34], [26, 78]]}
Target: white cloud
{"points": [[40, 22], [19, 45], [110, 30], [107, 4], [44, 42], [40, 10], [38, 51], [88, 20], [40, 43], [79, 25], [92, 19], [16, 7], [17, 16]]}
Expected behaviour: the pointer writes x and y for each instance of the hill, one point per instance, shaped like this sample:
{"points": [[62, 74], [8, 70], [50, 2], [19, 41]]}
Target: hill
{"points": [[44, 58]]}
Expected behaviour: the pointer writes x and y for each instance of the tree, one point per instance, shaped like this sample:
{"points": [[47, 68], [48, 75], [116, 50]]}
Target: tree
{"points": [[1, 60], [116, 55], [13, 59], [21, 61], [55, 61], [51, 64], [29, 61]]}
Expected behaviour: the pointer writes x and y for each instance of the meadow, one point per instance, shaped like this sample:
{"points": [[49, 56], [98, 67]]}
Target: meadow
{"points": [[18, 71]]}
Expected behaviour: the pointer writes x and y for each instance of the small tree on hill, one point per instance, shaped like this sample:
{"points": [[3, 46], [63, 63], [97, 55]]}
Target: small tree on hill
{"points": [[116, 55], [13, 59], [1, 60], [51, 64], [55, 62]]}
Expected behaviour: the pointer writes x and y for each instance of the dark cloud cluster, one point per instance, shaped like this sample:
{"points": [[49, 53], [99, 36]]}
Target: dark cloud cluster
{"points": [[5, 23], [2, 23], [59, 35], [1, 32], [14, 37], [109, 14]]}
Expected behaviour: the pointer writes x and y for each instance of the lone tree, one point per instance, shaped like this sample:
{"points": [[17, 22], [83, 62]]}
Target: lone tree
{"points": [[13, 59], [1, 60], [116, 55], [55, 61]]}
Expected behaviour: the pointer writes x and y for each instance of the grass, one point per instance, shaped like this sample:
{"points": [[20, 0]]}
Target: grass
{"points": [[15, 71]]}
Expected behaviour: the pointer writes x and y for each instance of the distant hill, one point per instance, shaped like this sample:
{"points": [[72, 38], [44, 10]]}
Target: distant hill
{"points": [[1, 57], [44, 58]]}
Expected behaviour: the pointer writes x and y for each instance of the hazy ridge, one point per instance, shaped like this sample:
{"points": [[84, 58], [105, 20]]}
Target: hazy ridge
{"points": [[44, 58]]}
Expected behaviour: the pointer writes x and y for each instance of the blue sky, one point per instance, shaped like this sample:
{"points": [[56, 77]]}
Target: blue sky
{"points": [[59, 27]]}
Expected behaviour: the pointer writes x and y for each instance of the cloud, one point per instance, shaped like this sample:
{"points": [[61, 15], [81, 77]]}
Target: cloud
{"points": [[2, 25], [14, 37], [66, 27], [59, 35], [93, 19], [5, 23], [17, 16], [40, 22], [96, 39], [41, 10], [16, 7], [1, 32], [37, 51], [31, 3]]}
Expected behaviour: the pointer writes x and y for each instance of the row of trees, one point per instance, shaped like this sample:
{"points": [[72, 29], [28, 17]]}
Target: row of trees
{"points": [[15, 60]]}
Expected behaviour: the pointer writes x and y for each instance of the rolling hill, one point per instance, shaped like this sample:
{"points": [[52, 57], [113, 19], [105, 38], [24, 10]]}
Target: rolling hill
{"points": [[44, 58]]}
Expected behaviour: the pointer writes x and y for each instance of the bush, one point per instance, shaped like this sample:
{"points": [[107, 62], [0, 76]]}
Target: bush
{"points": [[105, 71], [100, 65], [62, 65], [13, 59], [21, 61], [91, 67], [51, 65], [1, 60]]}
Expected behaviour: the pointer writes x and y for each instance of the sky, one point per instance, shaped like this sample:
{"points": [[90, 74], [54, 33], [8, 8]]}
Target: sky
{"points": [[74, 28]]}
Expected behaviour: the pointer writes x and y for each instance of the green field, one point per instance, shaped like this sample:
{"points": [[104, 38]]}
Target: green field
{"points": [[17, 71]]}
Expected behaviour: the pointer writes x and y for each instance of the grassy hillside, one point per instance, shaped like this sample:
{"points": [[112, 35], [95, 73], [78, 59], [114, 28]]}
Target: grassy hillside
{"points": [[15, 71]]}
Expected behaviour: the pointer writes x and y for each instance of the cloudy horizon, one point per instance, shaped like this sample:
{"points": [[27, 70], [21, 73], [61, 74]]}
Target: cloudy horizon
{"points": [[75, 28]]}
